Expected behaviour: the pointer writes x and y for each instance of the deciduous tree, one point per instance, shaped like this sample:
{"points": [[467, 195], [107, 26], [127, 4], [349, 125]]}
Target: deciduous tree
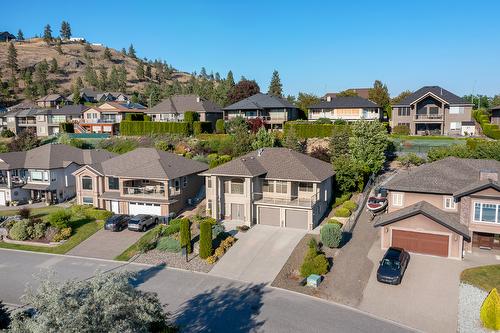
{"points": [[304, 101], [242, 90], [368, 144], [380, 94]]}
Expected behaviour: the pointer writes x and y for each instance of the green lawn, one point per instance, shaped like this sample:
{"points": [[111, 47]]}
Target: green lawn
{"points": [[484, 277], [36, 212]]}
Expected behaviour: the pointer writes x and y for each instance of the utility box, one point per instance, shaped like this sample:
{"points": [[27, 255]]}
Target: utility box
{"points": [[313, 280]]}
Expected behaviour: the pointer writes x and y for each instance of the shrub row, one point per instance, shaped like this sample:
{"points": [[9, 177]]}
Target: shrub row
{"points": [[200, 127], [306, 130], [153, 127], [137, 117], [490, 130]]}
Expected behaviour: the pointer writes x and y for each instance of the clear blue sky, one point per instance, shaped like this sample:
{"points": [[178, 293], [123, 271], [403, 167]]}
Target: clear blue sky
{"points": [[316, 46]]}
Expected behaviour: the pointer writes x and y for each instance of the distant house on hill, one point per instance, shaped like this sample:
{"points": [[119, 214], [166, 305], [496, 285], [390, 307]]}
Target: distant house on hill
{"points": [[51, 101], [91, 96], [106, 118], [6, 36]]}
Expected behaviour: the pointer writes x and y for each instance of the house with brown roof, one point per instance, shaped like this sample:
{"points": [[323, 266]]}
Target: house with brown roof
{"points": [[106, 118], [271, 186], [174, 107], [44, 173], [446, 208], [143, 181], [349, 108]]}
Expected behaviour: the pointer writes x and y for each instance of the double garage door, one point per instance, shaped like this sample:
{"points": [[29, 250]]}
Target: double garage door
{"points": [[420, 242], [135, 208], [272, 216]]}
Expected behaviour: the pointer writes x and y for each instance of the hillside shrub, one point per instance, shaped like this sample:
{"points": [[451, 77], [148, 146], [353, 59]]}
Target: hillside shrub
{"points": [[185, 234], [205, 240], [490, 311], [59, 218], [401, 130], [331, 234], [19, 231], [342, 212], [153, 127], [351, 205], [200, 127], [219, 126], [168, 244]]}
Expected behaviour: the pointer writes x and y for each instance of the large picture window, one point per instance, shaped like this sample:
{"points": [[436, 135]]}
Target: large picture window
{"points": [[486, 212], [113, 183], [268, 186], [281, 187], [86, 183], [305, 187], [237, 186]]}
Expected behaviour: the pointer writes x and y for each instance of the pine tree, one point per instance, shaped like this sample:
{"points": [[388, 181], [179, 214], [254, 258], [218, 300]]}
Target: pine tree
{"points": [[12, 59], [58, 46], [203, 73], [230, 80], [107, 54], [90, 76], [54, 67], [148, 71], [131, 51], [217, 76], [103, 78], [65, 31], [79, 83], [122, 78], [113, 79], [139, 71], [76, 93], [41, 78], [47, 34], [123, 51], [275, 87], [20, 35]]}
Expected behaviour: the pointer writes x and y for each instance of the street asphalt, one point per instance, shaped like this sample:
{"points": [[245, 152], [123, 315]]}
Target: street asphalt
{"points": [[197, 301]]}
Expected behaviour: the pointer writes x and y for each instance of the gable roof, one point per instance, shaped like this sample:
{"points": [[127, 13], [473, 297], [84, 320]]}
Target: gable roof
{"points": [[184, 103], [362, 92], [52, 156], [260, 101], [51, 98], [477, 186], [447, 176], [276, 163], [345, 102], [447, 220], [68, 110], [150, 163], [441, 93]]}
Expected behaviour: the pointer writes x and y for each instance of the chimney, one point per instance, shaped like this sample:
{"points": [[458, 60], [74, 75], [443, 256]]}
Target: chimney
{"points": [[197, 99], [328, 98], [441, 91], [488, 174]]}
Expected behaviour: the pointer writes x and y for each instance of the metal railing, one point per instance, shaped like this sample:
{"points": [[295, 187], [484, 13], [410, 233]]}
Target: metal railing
{"points": [[151, 191], [296, 201], [428, 116]]}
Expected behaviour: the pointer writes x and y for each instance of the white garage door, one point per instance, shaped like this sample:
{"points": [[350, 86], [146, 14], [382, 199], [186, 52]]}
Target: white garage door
{"points": [[2, 198], [269, 216], [296, 219], [135, 208]]}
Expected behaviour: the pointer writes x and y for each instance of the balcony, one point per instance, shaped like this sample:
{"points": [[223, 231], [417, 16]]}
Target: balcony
{"points": [[429, 117], [99, 121], [294, 201], [149, 191], [15, 181], [26, 122]]}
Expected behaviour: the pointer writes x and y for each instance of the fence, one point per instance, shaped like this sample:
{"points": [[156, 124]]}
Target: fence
{"points": [[361, 202]]}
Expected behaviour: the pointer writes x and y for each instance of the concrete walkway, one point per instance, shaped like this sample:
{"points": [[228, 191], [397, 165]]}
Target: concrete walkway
{"points": [[106, 244], [259, 254]]}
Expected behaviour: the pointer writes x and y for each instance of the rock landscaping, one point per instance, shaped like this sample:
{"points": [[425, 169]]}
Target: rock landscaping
{"points": [[470, 299]]}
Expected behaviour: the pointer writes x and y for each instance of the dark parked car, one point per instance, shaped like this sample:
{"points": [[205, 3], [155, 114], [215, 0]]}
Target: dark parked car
{"points": [[142, 222], [393, 266], [117, 222]]}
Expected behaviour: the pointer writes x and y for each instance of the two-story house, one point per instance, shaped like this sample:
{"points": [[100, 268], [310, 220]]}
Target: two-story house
{"points": [[435, 111], [51, 101], [44, 173], [143, 181], [106, 118], [174, 107], [91, 96], [349, 108], [273, 110], [271, 186], [445, 208], [48, 120], [18, 120]]}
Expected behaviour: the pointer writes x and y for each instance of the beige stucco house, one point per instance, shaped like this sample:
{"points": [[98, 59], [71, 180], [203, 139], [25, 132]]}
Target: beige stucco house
{"points": [[271, 186], [445, 208], [106, 118], [349, 108], [143, 181]]}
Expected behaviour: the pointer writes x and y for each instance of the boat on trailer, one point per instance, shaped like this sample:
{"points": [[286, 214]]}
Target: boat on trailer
{"points": [[378, 202]]}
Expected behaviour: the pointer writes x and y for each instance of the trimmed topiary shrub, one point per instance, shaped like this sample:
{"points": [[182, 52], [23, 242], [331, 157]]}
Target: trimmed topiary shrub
{"points": [[59, 219], [205, 240], [200, 127], [331, 235], [342, 212], [168, 244], [219, 126], [185, 234], [343, 198], [132, 128], [490, 311], [351, 205], [19, 231]]}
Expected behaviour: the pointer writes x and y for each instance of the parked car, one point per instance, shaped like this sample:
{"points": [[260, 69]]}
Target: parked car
{"points": [[393, 266], [117, 222], [142, 222]]}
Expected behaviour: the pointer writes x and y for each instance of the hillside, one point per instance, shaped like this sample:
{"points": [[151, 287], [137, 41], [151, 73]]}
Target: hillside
{"points": [[72, 63]]}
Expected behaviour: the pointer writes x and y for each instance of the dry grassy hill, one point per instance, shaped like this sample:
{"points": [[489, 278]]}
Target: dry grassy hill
{"points": [[72, 62]]}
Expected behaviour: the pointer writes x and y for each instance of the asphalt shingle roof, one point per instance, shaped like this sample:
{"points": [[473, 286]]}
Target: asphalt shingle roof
{"points": [[69, 110], [345, 102], [260, 101], [184, 103], [276, 163], [449, 97]]}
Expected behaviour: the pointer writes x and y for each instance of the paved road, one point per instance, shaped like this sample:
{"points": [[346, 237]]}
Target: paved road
{"points": [[106, 244], [200, 302]]}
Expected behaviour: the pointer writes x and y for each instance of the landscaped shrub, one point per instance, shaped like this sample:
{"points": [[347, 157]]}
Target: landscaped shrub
{"points": [[314, 262], [219, 126], [59, 218], [217, 229], [340, 122], [7, 133], [216, 160], [169, 244], [490, 311], [205, 240], [334, 221], [351, 205], [144, 245], [191, 116], [219, 252], [38, 230], [228, 242], [401, 130], [212, 259], [153, 127], [305, 130], [50, 233], [137, 117], [185, 234], [66, 127], [331, 235], [342, 212], [24, 212], [19, 231], [343, 198], [63, 234], [200, 127], [323, 121]]}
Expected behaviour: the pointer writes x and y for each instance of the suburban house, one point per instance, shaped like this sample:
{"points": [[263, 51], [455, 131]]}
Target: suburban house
{"points": [[350, 108], [174, 107], [106, 118], [361, 92], [91, 96], [44, 173], [19, 120], [143, 181], [51, 101], [273, 110], [48, 120], [445, 208], [6, 36], [495, 115], [271, 186], [435, 111]]}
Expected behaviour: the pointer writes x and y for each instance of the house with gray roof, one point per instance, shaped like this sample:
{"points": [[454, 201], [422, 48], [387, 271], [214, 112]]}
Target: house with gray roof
{"points": [[174, 107], [44, 173], [349, 108], [271, 186], [143, 181], [51, 101], [433, 110], [89, 95], [48, 120], [273, 110], [446, 208]]}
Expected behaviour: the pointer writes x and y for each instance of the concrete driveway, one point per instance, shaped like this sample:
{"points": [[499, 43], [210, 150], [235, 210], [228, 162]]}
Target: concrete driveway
{"points": [[106, 244], [259, 254]]}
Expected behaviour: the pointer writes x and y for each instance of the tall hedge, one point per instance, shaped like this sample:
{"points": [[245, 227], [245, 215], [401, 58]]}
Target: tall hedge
{"points": [[67, 128], [153, 127], [306, 130], [137, 117], [219, 126], [191, 116], [490, 130], [205, 239], [185, 234], [202, 127]]}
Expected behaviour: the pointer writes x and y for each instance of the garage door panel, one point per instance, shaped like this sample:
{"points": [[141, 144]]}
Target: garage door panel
{"points": [[135, 208], [296, 219], [420, 242], [269, 216]]}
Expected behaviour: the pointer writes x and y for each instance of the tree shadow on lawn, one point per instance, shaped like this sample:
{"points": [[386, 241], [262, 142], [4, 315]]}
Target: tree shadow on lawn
{"points": [[223, 309], [144, 275]]}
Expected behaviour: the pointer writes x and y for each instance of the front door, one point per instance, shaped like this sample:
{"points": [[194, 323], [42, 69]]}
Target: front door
{"points": [[237, 212], [483, 240], [115, 208]]}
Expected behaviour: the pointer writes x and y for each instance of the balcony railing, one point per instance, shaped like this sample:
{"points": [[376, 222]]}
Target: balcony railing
{"points": [[26, 122], [152, 191], [264, 118], [15, 181], [296, 201], [429, 117]]}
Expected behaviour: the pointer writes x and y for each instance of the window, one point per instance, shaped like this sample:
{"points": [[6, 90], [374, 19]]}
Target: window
{"points": [[486, 212], [281, 187], [397, 199], [113, 183], [455, 125], [88, 200], [449, 203], [209, 182], [209, 206], [36, 175], [305, 187], [184, 181], [267, 186], [41, 129], [457, 110], [433, 110], [177, 184], [86, 183], [45, 176], [237, 186], [404, 111]]}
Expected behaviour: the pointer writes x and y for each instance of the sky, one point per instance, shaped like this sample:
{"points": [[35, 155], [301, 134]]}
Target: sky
{"points": [[316, 46]]}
